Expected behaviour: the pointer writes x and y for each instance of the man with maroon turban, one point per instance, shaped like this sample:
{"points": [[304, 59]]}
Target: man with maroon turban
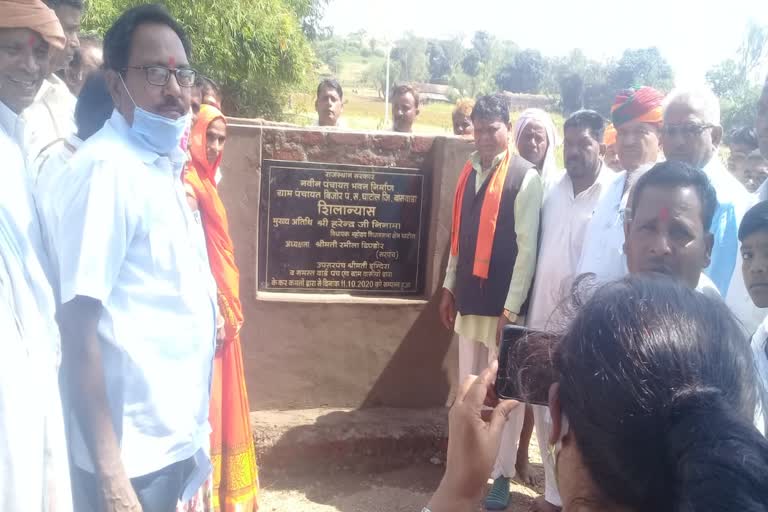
{"points": [[637, 116]]}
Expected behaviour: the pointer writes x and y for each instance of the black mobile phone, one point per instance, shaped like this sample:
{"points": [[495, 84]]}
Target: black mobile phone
{"points": [[525, 366]]}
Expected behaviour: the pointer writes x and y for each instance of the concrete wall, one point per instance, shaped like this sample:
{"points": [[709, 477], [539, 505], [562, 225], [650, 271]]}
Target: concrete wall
{"points": [[308, 351]]}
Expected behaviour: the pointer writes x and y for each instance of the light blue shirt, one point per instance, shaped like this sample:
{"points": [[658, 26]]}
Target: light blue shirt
{"points": [[733, 201], [124, 235]]}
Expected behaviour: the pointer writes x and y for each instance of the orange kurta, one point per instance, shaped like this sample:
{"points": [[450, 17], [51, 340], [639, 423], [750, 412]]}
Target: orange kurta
{"points": [[235, 474]]}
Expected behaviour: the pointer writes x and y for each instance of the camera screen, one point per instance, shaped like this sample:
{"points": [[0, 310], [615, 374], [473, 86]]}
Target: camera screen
{"points": [[525, 366]]}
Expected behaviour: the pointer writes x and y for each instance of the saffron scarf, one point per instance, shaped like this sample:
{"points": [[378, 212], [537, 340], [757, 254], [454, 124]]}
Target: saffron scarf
{"points": [[235, 473], [489, 213]]}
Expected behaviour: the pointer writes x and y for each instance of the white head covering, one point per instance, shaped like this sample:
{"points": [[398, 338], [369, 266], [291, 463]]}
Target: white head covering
{"points": [[549, 171]]}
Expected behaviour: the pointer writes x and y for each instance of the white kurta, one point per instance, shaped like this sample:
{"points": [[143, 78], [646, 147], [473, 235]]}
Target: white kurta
{"points": [[50, 118], [564, 221], [603, 251], [33, 451]]}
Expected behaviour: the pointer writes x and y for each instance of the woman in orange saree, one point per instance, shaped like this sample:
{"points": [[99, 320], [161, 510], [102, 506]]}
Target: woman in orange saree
{"points": [[235, 474]]}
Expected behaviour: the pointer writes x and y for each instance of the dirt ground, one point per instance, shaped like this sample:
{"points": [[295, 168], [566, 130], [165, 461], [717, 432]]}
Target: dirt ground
{"points": [[355, 490]]}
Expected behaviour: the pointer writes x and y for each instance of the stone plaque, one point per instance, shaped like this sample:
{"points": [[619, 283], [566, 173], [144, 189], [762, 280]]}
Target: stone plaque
{"points": [[332, 228]]}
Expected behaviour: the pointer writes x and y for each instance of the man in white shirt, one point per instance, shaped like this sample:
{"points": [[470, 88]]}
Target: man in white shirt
{"points": [[33, 452], [566, 212], [753, 235], [51, 116], [494, 237], [692, 134], [138, 300], [637, 118], [329, 104]]}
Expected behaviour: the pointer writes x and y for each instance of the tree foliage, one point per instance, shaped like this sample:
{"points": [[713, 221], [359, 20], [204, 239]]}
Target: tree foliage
{"points": [[644, 66], [378, 77], [586, 83], [524, 74], [411, 53], [256, 49], [439, 66], [734, 80]]}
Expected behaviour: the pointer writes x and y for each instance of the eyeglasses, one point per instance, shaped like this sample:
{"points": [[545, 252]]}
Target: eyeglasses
{"points": [[159, 75], [686, 130]]}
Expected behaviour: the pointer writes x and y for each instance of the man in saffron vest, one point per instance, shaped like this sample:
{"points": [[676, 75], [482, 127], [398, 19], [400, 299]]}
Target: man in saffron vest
{"points": [[493, 257]]}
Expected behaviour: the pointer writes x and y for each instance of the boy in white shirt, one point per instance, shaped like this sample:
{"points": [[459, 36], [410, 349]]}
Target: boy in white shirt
{"points": [[753, 235]]}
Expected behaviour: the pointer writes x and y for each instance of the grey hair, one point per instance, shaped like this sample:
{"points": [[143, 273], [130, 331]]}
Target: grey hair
{"points": [[701, 99]]}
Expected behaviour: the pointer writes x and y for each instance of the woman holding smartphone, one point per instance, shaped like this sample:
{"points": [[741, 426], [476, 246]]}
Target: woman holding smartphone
{"points": [[652, 406]]}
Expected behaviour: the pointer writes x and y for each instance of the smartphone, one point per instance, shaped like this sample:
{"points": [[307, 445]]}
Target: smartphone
{"points": [[525, 365]]}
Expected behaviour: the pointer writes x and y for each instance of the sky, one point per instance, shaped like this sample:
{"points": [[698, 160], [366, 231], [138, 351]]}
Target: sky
{"points": [[690, 35]]}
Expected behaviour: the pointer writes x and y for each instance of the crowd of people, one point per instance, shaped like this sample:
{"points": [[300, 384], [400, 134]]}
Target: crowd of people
{"points": [[123, 389], [654, 406], [122, 386]]}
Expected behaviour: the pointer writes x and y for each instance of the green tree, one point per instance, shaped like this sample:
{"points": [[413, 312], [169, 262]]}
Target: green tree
{"points": [[583, 83], [411, 53], [310, 13], [377, 77], [734, 80], [483, 43], [524, 74], [472, 63], [640, 67], [256, 49], [329, 51], [726, 78], [454, 52], [439, 66]]}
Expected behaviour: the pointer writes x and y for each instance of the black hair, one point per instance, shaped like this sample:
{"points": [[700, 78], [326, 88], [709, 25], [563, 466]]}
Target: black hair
{"points": [[589, 119], [679, 174], [330, 83], [402, 90], [94, 105], [118, 41], [745, 136], [208, 86], [756, 219], [492, 106], [54, 4], [658, 385]]}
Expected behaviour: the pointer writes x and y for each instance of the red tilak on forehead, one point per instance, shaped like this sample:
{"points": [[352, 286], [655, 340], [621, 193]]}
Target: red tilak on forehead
{"points": [[32, 40], [171, 62], [664, 214]]}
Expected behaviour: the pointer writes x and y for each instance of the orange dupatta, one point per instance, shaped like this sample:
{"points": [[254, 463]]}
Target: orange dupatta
{"points": [[235, 473], [489, 213]]}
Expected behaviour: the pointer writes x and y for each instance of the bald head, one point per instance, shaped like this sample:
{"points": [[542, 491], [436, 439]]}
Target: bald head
{"points": [[692, 130]]}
